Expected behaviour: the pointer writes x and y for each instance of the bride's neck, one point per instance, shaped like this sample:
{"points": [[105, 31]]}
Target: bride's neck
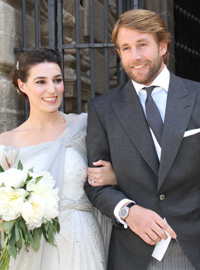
{"points": [[45, 120]]}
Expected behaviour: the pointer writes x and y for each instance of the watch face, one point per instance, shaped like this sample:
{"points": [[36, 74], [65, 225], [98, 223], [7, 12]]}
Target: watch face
{"points": [[124, 213]]}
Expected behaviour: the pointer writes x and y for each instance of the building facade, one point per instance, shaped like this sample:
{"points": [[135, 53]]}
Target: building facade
{"points": [[81, 32]]}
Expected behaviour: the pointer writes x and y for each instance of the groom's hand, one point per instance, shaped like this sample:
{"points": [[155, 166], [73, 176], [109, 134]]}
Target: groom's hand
{"points": [[148, 225]]}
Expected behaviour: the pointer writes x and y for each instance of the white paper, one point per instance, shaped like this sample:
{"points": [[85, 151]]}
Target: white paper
{"points": [[161, 247]]}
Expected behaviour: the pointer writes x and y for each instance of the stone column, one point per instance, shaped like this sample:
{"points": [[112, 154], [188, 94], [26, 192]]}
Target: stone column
{"points": [[11, 105]]}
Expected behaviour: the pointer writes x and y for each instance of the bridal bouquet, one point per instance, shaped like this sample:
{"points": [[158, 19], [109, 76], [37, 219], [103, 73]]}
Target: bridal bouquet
{"points": [[28, 210]]}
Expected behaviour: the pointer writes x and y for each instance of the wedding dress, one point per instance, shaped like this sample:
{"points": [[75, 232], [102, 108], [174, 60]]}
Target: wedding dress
{"points": [[80, 244]]}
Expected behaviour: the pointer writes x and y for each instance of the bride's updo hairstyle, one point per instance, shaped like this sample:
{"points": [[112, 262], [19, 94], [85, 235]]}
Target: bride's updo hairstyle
{"points": [[27, 60]]}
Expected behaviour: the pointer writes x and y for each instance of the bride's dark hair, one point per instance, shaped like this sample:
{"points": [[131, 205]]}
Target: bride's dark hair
{"points": [[28, 59]]}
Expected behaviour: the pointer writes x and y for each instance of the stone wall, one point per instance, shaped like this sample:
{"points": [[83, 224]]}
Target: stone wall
{"points": [[85, 60], [12, 105]]}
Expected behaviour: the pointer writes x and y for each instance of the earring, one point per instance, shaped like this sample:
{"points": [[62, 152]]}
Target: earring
{"points": [[18, 91], [17, 65]]}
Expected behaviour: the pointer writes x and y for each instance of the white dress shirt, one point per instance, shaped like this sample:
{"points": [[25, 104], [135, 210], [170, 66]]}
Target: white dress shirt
{"points": [[159, 96]]}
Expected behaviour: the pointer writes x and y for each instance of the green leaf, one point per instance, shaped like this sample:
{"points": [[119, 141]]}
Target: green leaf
{"points": [[20, 166], [49, 229], [31, 170], [4, 239], [38, 179], [19, 245], [11, 245], [25, 233], [2, 185], [51, 235], [45, 227], [36, 238], [28, 178], [22, 185], [17, 233], [7, 225], [1, 170], [56, 224]]}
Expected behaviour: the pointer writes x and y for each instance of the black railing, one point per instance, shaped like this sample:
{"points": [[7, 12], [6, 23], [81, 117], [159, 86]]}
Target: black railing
{"points": [[187, 42], [56, 41]]}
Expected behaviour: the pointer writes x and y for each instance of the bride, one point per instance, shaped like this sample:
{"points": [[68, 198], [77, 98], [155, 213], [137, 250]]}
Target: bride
{"points": [[53, 141]]}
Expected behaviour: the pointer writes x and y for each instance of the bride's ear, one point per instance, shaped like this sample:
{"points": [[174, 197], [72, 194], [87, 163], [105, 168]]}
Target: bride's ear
{"points": [[21, 85]]}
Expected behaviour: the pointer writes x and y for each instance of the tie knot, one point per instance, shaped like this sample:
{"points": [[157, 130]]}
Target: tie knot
{"points": [[149, 89]]}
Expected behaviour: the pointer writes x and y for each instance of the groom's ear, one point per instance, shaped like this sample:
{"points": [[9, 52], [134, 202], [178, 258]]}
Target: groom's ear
{"points": [[118, 51]]}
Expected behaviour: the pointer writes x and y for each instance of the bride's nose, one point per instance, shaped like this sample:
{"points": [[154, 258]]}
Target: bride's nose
{"points": [[51, 88]]}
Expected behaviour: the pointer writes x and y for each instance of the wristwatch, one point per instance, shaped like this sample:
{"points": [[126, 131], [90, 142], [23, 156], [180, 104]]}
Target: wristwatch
{"points": [[124, 211]]}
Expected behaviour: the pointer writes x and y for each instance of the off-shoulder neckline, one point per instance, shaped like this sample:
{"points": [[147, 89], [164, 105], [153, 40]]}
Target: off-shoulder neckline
{"points": [[43, 143], [69, 120]]}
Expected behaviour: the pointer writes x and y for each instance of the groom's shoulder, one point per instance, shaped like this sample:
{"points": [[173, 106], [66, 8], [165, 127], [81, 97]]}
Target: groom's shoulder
{"points": [[189, 84]]}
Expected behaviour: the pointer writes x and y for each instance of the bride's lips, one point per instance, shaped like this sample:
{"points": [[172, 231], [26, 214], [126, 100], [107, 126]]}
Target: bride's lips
{"points": [[50, 99]]}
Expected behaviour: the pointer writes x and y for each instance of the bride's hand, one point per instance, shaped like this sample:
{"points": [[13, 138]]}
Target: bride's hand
{"points": [[103, 175]]}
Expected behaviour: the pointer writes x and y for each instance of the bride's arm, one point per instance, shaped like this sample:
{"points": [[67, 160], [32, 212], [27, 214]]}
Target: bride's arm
{"points": [[103, 174]]}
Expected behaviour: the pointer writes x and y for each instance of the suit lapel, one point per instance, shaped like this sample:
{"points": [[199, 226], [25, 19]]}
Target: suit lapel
{"points": [[130, 114], [179, 108]]}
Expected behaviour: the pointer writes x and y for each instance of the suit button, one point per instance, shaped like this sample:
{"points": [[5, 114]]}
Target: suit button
{"points": [[162, 197]]}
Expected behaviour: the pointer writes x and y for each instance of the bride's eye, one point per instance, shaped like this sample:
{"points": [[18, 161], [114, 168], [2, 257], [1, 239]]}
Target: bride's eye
{"points": [[58, 80], [40, 82]]}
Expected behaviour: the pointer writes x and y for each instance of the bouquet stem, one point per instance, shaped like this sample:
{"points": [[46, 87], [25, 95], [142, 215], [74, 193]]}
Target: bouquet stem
{"points": [[4, 259]]}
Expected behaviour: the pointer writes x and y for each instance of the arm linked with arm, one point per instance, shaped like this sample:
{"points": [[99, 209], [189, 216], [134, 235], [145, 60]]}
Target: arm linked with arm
{"points": [[105, 198]]}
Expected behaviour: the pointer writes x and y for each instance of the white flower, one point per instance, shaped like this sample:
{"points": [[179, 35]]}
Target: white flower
{"points": [[31, 204], [44, 186], [42, 204], [44, 189], [13, 177], [51, 208], [33, 211], [11, 202]]}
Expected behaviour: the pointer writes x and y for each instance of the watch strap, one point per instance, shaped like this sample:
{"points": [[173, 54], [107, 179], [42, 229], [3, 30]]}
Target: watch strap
{"points": [[129, 205]]}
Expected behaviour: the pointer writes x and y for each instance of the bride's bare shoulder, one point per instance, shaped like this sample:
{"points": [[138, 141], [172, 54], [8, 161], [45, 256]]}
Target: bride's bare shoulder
{"points": [[9, 137]]}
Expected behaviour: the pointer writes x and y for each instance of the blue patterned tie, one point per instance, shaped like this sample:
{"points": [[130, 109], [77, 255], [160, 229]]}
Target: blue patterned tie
{"points": [[153, 115]]}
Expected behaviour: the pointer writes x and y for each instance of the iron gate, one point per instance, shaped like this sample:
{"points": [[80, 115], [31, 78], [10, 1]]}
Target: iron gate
{"points": [[187, 42], [97, 47]]}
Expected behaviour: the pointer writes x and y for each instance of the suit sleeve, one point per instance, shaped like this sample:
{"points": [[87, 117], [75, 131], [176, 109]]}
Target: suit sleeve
{"points": [[105, 198]]}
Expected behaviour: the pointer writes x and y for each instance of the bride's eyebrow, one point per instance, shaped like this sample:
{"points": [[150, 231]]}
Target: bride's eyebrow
{"points": [[39, 78], [43, 77]]}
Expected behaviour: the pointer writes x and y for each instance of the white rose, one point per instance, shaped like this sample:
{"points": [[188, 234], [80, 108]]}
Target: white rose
{"points": [[44, 186], [46, 178], [44, 189], [33, 211], [51, 208], [11, 202], [13, 177]]}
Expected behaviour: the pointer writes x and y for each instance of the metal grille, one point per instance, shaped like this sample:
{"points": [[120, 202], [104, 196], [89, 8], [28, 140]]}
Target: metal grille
{"points": [[187, 42], [93, 45]]}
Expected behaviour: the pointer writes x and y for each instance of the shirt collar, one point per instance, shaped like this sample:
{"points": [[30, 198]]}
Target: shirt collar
{"points": [[162, 80]]}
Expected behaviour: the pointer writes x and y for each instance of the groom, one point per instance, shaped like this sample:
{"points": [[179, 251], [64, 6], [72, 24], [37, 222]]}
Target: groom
{"points": [[152, 137]]}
